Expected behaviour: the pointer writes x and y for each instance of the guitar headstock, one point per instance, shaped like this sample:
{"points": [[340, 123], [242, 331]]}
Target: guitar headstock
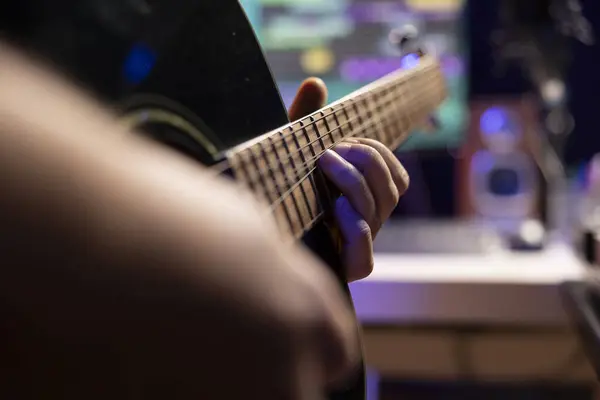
{"points": [[408, 41]]}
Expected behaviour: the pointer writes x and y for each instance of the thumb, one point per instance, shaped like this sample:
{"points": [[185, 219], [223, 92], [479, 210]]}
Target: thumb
{"points": [[311, 96]]}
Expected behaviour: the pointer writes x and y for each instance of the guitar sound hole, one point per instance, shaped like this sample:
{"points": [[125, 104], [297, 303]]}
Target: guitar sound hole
{"points": [[176, 140]]}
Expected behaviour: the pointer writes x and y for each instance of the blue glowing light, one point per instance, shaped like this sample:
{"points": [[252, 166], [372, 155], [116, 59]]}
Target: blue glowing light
{"points": [[493, 120], [409, 61], [139, 63]]}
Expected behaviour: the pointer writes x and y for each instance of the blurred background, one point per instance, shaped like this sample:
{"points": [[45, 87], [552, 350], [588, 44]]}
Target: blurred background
{"points": [[466, 300], [485, 283]]}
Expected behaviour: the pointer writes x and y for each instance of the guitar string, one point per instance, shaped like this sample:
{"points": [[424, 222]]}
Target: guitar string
{"points": [[288, 160], [385, 122], [308, 173], [224, 166], [293, 222], [393, 85], [297, 225], [304, 226], [311, 170]]}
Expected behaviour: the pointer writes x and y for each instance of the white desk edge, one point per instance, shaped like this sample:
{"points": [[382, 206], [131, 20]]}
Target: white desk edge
{"points": [[502, 288]]}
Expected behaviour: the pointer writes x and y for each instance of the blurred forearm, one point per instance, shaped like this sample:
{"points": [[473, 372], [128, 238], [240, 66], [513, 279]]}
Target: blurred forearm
{"points": [[79, 189]]}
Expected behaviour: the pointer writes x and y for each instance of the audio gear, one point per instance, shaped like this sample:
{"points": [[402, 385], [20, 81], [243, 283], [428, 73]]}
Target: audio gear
{"points": [[498, 171]]}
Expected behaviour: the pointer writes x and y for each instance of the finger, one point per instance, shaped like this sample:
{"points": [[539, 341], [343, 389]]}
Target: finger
{"points": [[348, 179], [377, 174], [399, 174], [358, 241], [311, 96]]}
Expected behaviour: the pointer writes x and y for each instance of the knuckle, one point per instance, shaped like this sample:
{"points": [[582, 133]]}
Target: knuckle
{"points": [[352, 180], [363, 232], [369, 152], [372, 157], [345, 176]]}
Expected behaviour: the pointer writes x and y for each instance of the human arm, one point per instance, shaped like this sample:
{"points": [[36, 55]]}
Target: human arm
{"points": [[137, 273]]}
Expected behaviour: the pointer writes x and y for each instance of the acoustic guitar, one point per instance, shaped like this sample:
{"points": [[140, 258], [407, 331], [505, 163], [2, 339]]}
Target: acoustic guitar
{"points": [[200, 84]]}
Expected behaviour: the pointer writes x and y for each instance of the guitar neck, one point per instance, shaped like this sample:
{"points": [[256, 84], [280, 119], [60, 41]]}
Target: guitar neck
{"points": [[280, 166]]}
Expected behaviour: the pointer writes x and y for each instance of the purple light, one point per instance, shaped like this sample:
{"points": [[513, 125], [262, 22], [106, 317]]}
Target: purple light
{"points": [[368, 69], [409, 61], [493, 120]]}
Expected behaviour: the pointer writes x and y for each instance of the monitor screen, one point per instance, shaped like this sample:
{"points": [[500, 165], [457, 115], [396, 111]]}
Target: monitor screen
{"points": [[345, 42]]}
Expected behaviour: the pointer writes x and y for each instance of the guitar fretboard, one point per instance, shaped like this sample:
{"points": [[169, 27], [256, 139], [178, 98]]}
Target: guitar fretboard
{"points": [[280, 166]]}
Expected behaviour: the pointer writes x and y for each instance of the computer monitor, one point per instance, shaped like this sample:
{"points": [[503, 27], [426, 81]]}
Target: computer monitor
{"points": [[345, 42]]}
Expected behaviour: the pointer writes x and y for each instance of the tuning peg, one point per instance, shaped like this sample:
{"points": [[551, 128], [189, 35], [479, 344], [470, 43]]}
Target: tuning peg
{"points": [[407, 40]]}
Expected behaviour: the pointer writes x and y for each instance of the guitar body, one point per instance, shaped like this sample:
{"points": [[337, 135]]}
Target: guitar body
{"points": [[190, 73]]}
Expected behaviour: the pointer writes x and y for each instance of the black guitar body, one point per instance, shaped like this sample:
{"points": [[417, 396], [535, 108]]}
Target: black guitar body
{"points": [[189, 72]]}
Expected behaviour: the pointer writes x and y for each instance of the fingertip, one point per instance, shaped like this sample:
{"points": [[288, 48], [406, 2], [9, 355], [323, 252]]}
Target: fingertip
{"points": [[317, 89], [317, 83], [311, 96], [330, 159]]}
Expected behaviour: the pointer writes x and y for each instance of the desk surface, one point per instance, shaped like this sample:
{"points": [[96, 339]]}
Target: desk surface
{"points": [[494, 288]]}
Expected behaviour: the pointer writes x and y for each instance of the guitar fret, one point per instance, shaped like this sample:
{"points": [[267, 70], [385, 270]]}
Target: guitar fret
{"points": [[296, 189], [328, 128], [348, 121], [323, 120], [375, 117], [340, 127], [378, 118], [259, 185], [255, 179], [315, 206], [388, 117], [298, 177], [367, 128], [402, 100], [272, 186], [320, 126], [358, 117], [248, 178], [290, 195], [298, 149], [265, 183], [322, 181], [319, 137], [397, 107], [337, 134]]}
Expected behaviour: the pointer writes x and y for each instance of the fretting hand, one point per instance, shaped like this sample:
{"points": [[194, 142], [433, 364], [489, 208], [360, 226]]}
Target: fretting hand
{"points": [[370, 178]]}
